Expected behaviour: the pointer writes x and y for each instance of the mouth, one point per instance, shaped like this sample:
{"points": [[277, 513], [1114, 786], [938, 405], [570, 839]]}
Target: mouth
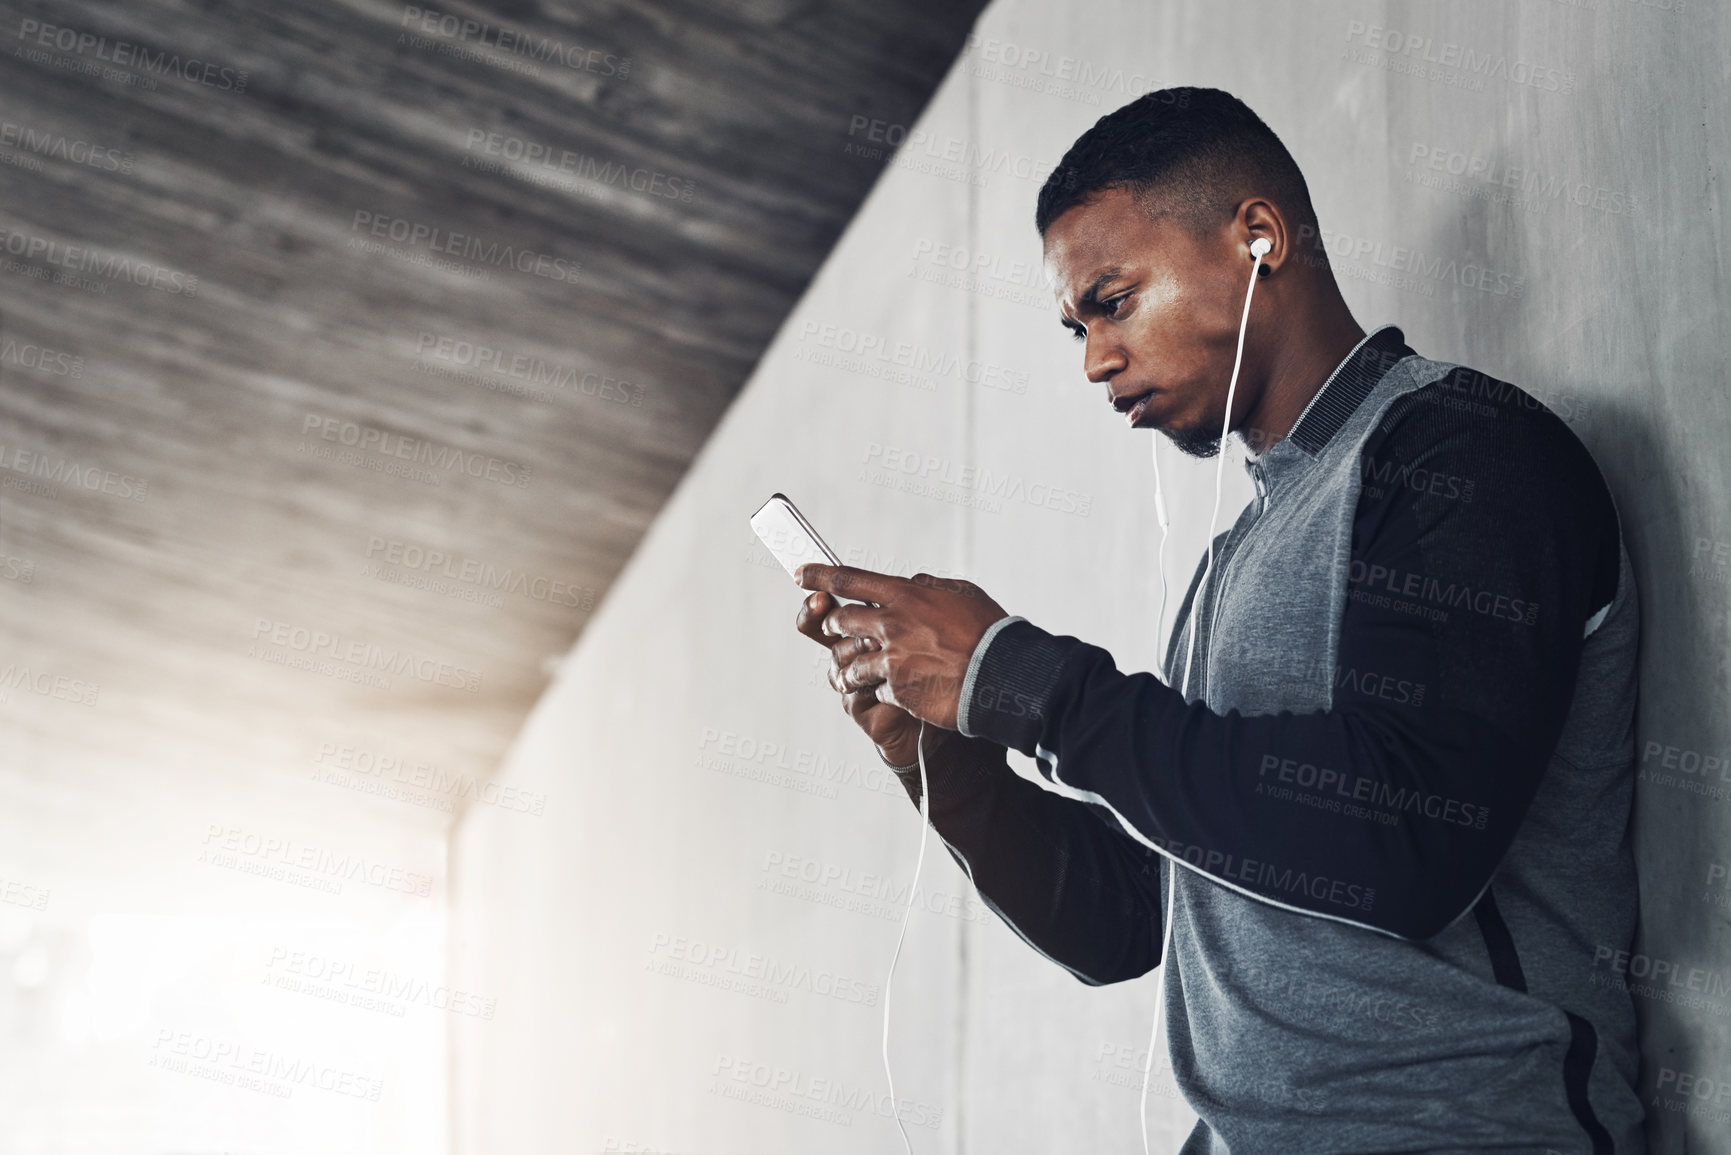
{"points": [[1133, 405]]}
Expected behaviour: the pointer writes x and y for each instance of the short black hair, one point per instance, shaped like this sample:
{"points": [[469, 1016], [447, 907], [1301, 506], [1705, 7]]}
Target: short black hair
{"points": [[1186, 153]]}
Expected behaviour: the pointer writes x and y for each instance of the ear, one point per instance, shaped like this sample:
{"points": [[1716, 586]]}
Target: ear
{"points": [[1260, 219]]}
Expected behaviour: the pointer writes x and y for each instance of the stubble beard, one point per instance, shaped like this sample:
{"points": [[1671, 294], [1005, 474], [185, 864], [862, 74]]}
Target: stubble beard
{"points": [[1194, 443]]}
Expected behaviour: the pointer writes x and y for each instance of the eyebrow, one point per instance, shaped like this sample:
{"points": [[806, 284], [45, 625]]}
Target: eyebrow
{"points": [[1091, 296]]}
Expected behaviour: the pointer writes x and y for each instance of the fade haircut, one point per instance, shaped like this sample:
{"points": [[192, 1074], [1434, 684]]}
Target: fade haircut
{"points": [[1188, 154]]}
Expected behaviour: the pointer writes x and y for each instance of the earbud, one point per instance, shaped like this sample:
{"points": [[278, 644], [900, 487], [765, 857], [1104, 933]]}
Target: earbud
{"points": [[1258, 249]]}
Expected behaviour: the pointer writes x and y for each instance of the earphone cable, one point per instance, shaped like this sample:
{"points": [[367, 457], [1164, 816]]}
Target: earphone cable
{"points": [[925, 820]]}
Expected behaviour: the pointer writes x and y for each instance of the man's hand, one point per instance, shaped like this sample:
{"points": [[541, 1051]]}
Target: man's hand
{"points": [[911, 650], [894, 731]]}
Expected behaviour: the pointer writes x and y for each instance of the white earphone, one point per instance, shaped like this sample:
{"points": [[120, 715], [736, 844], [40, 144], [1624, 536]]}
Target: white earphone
{"points": [[1258, 249]]}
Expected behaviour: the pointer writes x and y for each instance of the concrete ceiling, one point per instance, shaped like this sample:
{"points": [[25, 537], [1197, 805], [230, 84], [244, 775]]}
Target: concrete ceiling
{"points": [[334, 396]]}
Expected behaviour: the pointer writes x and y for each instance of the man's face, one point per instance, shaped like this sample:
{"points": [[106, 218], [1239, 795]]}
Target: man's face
{"points": [[1157, 311]]}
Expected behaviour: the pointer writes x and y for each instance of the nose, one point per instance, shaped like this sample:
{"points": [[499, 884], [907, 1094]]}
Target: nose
{"points": [[1102, 360]]}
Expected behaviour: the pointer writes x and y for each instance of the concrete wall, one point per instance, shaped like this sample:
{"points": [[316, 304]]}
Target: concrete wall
{"points": [[693, 759]]}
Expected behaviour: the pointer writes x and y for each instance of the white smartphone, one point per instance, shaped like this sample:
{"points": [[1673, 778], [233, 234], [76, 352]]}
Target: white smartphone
{"points": [[786, 533]]}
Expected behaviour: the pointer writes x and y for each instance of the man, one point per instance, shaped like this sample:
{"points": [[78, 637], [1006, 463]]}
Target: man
{"points": [[1392, 796]]}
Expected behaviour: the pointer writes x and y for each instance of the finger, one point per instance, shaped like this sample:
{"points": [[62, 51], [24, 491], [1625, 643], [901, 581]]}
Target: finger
{"points": [[809, 620], [856, 621], [846, 581], [864, 671], [863, 685], [859, 702], [842, 653], [847, 649]]}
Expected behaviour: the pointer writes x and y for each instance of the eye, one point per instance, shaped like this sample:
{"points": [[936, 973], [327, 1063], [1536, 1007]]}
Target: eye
{"points": [[1078, 334], [1111, 304]]}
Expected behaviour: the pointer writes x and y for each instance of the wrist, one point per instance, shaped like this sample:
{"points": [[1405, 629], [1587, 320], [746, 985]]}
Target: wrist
{"points": [[906, 759], [1011, 682]]}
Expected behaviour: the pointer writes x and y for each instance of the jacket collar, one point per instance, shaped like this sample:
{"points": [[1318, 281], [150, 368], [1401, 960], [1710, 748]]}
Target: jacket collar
{"points": [[1340, 395]]}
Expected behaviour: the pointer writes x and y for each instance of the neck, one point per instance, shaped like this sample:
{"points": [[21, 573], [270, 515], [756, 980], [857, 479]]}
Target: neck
{"points": [[1314, 338]]}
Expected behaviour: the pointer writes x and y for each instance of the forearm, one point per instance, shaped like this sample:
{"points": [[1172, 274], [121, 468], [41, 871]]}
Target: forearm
{"points": [[1075, 889], [1460, 628]]}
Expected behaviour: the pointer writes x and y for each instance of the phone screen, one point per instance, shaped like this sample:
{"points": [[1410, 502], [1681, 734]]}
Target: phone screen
{"points": [[788, 536], [786, 533]]}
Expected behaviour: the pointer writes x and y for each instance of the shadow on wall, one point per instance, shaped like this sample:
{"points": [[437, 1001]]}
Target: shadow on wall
{"points": [[1671, 709], [1637, 461]]}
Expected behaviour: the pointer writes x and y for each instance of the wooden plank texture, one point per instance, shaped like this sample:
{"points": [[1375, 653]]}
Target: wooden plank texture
{"points": [[373, 364]]}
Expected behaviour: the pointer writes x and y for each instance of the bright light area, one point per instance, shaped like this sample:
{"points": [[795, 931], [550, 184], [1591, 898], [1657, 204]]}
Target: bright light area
{"points": [[269, 1033]]}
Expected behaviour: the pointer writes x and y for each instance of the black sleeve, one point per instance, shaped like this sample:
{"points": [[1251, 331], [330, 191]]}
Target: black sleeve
{"points": [[1079, 892], [1482, 549]]}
